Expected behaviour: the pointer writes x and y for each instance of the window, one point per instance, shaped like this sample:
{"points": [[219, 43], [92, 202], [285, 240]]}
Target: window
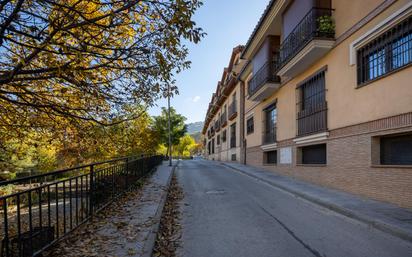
{"points": [[313, 154], [233, 157], [233, 135], [218, 140], [250, 126], [311, 105], [387, 53], [213, 146], [209, 148], [270, 116], [396, 150], [270, 157], [224, 136]]}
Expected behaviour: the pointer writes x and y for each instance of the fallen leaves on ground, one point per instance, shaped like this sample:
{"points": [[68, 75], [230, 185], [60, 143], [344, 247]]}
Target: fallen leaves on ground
{"points": [[108, 231], [168, 237]]}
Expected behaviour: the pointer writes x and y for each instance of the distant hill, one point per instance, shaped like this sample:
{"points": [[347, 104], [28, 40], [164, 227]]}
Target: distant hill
{"points": [[194, 127], [195, 130]]}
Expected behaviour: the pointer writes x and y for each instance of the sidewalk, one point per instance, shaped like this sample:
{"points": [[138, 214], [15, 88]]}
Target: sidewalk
{"points": [[383, 216], [128, 227]]}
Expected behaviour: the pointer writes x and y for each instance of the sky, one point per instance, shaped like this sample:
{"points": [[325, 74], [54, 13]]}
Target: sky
{"points": [[228, 23]]}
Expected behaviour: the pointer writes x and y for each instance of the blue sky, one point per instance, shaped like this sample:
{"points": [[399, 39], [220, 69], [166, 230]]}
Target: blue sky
{"points": [[228, 23]]}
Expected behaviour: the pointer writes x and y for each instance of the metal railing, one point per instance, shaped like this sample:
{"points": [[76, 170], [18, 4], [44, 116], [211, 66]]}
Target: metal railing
{"points": [[232, 109], [313, 119], [266, 74], [269, 137], [47, 207], [317, 23]]}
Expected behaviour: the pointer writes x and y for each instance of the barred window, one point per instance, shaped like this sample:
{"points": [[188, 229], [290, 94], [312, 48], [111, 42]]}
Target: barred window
{"points": [[389, 52], [250, 126], [270, 157], [396, 150], [311, 105]]}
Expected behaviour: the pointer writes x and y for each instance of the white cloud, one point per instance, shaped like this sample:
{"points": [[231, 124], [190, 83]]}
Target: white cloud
{"points": [[196, 99]]}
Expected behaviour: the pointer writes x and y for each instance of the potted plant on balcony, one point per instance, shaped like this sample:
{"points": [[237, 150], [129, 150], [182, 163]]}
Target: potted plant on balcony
{"points": [[326, 25]]}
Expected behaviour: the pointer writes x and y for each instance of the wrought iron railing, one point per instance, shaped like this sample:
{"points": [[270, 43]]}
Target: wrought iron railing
{"points": [[232, 109], [317, 23], [269, 137], [266, 74], [312, 119], [47, 207]]}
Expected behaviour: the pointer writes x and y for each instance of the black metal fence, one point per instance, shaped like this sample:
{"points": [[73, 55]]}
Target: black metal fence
{"points": [[46, 207]]}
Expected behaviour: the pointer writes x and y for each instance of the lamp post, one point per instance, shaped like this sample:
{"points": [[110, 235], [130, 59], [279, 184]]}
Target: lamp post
{"points": [[168, 114]]}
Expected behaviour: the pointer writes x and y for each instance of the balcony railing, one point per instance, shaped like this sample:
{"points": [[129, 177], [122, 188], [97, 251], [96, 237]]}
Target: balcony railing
{"points": [[317, 23], [312, 120], [266, 74], [223, 119], [232, 110], [269, 137]]}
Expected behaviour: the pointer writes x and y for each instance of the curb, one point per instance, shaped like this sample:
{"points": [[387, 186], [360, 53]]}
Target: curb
{"points": [[384, 227], [151, 238]]}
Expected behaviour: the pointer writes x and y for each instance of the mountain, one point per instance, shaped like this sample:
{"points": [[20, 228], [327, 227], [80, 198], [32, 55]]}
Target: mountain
{"points": [[195, 127], [195, 130]]}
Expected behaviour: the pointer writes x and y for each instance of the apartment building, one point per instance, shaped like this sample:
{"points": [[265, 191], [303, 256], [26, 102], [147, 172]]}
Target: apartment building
{"points": [[328, 95], [223, 123]]}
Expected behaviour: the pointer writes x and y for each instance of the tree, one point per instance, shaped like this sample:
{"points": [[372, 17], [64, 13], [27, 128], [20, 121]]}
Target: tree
{"points": [[88, 60], [186, 146], [177, 127]]}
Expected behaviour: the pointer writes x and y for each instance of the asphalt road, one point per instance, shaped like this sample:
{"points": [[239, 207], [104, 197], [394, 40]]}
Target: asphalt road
{"points": [[226, 213]]}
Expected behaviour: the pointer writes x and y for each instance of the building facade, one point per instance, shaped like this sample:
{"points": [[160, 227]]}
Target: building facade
{"points": [[328, 95], [223, 124]]}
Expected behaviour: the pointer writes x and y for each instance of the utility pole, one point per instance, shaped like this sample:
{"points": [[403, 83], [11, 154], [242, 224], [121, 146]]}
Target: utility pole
{"points": [[168, 114]]}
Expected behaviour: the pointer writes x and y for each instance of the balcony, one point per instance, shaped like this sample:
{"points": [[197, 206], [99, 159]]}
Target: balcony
{"points": [[265, 82], [312, 120], [223, 119], [311, 39], [232, 110]]}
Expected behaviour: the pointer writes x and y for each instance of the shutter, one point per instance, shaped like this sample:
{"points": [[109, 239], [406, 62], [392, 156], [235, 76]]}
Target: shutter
{"points": [[396, 150], [314, 154]]}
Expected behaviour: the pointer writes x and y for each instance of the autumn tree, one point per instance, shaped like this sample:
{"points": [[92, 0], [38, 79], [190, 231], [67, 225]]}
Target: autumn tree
{"points": [[177, 127], [186, 146], [84, 60]]}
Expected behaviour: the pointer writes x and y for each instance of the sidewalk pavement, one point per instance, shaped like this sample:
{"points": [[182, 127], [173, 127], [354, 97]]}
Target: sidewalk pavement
{"points": [[128, 227], [383, 216]]}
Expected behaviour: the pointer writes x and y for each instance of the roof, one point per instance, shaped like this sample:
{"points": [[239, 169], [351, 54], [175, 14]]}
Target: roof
{"points": [[261, 20]]}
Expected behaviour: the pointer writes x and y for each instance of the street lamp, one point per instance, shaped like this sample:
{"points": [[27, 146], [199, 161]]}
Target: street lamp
{"points": [[168, 114]]}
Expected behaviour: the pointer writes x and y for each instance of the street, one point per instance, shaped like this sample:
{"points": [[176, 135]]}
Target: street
{"points": [[226, 213]]}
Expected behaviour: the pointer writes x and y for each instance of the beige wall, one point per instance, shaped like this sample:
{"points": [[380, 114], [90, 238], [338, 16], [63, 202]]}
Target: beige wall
{"points": [[349, 12], [347, 104]]}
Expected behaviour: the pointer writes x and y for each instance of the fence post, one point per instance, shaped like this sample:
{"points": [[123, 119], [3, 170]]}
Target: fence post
{"points": [[91, 191]]}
